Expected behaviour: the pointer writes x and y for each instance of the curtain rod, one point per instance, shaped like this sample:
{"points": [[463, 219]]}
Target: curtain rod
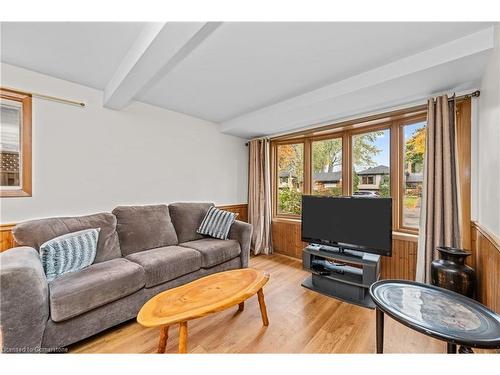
{"points": [[47, 97], [260, 139], [474, 94]]}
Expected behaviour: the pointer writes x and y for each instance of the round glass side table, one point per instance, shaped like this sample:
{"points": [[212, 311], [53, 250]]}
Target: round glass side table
{"points": [[436, 312]]}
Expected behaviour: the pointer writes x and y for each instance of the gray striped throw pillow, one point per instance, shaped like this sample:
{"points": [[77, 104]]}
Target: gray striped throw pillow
{"points": [[217, 223], [69, 253]]}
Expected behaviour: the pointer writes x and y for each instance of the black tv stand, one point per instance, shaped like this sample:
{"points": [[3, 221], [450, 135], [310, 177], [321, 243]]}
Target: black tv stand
{"points": [[341, 273]]}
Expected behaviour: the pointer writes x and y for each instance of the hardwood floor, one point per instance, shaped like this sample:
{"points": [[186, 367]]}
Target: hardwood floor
{"points": [[301, 321]]}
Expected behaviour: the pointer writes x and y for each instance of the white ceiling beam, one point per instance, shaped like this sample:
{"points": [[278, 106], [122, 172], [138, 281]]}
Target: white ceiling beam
{"points": [[155, 52], [296, 107]]}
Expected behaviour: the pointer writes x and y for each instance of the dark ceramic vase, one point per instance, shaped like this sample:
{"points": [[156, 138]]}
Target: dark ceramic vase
{"points": [[451, 272]]}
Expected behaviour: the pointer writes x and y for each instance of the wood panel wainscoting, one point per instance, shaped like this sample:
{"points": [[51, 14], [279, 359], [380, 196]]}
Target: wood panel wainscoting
{"points": [[402, 264], [7, 240], [240, 209], [486, 261], [6, 237]]}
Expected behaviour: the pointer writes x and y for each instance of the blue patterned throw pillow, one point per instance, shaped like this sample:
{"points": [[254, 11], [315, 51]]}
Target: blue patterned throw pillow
{"points": [[217, 223], [69, 253]]}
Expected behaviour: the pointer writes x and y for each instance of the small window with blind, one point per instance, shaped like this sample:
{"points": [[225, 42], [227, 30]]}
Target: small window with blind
{"points": [[15, 144]]}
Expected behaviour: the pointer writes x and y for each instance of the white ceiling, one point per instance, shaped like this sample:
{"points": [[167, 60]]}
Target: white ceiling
{"points": [[256, 78], [83, 52], [245, 66]]}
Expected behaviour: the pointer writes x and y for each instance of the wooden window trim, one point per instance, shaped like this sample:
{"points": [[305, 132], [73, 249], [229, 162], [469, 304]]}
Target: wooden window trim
{"points": [[394, 121], [26, 144], [359, 123], [463, 137]]}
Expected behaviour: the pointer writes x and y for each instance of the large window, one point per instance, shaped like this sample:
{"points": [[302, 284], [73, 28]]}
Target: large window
{"points": [[327, 167], [290, 181], [371, 160], [15, 144], [382, 158], [412, 172]]}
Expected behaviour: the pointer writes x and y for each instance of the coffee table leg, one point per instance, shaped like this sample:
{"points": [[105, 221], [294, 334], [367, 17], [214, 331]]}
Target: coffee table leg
{"points": [[163, 339], [380, 331], [263, 310], [451, 348], [183, 332], [241, 306]]}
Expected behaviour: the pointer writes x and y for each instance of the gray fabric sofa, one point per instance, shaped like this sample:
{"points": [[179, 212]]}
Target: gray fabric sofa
{"points": [[142, 251]]}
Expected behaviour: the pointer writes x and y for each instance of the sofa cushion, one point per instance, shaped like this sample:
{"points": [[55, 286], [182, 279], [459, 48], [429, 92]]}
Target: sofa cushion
{"points": [[217, 223], [69, 253], [214, 251], [166, 263], [35, 232], [187, 218], [75, 293], [144, 227]]}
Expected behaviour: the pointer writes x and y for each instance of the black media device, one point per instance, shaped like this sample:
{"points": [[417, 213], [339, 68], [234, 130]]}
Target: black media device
{"points": [[356, 223]]}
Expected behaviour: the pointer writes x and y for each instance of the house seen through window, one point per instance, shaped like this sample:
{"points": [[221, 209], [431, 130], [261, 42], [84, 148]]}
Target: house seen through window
{"points": [[371, 163]]}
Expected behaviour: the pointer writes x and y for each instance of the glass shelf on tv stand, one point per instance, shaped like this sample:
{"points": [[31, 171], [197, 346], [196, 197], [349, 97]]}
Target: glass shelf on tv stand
{"points": [[346, 274], [342, 254]]}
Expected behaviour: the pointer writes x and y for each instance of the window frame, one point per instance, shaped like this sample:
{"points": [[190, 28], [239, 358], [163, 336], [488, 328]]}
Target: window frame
{"points": [[393, 122], [275, 177], [370, 129], [369, 179], [310, 141], [401, 150], [25, 190]]}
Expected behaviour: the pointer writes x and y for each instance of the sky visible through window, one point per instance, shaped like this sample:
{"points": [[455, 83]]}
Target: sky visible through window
{"points": [[410, 129], [383, 141]]}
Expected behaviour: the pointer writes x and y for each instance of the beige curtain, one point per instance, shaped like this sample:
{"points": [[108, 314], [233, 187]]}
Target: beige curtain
{"points": [[259, 196], [439, 223]]}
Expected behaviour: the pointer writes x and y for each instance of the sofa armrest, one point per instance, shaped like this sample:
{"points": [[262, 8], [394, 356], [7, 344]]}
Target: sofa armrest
{"points": [[24, 300], [242, 232]]}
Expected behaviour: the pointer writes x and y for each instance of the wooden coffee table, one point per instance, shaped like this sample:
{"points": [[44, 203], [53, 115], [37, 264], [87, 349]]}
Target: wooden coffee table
{"points": [[202, 297]]}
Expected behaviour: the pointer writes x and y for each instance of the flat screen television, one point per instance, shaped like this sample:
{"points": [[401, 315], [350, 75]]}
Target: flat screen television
{"points": [[357, 223]]}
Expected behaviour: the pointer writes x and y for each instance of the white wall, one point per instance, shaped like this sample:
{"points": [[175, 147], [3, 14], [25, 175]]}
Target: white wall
{"points": [[488, 143], [92, 159]]}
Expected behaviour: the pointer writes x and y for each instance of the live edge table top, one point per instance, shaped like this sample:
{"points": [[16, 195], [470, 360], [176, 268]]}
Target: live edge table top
{"points": [[438, 312], [202, 297]]}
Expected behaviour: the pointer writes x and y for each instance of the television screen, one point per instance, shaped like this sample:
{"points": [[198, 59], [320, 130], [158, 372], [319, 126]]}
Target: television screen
{"points": [[358, 223]]}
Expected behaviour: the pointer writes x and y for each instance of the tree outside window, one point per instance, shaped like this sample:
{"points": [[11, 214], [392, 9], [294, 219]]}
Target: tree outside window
{"points": [[413, 162], [290, 178], [327, 167]]}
